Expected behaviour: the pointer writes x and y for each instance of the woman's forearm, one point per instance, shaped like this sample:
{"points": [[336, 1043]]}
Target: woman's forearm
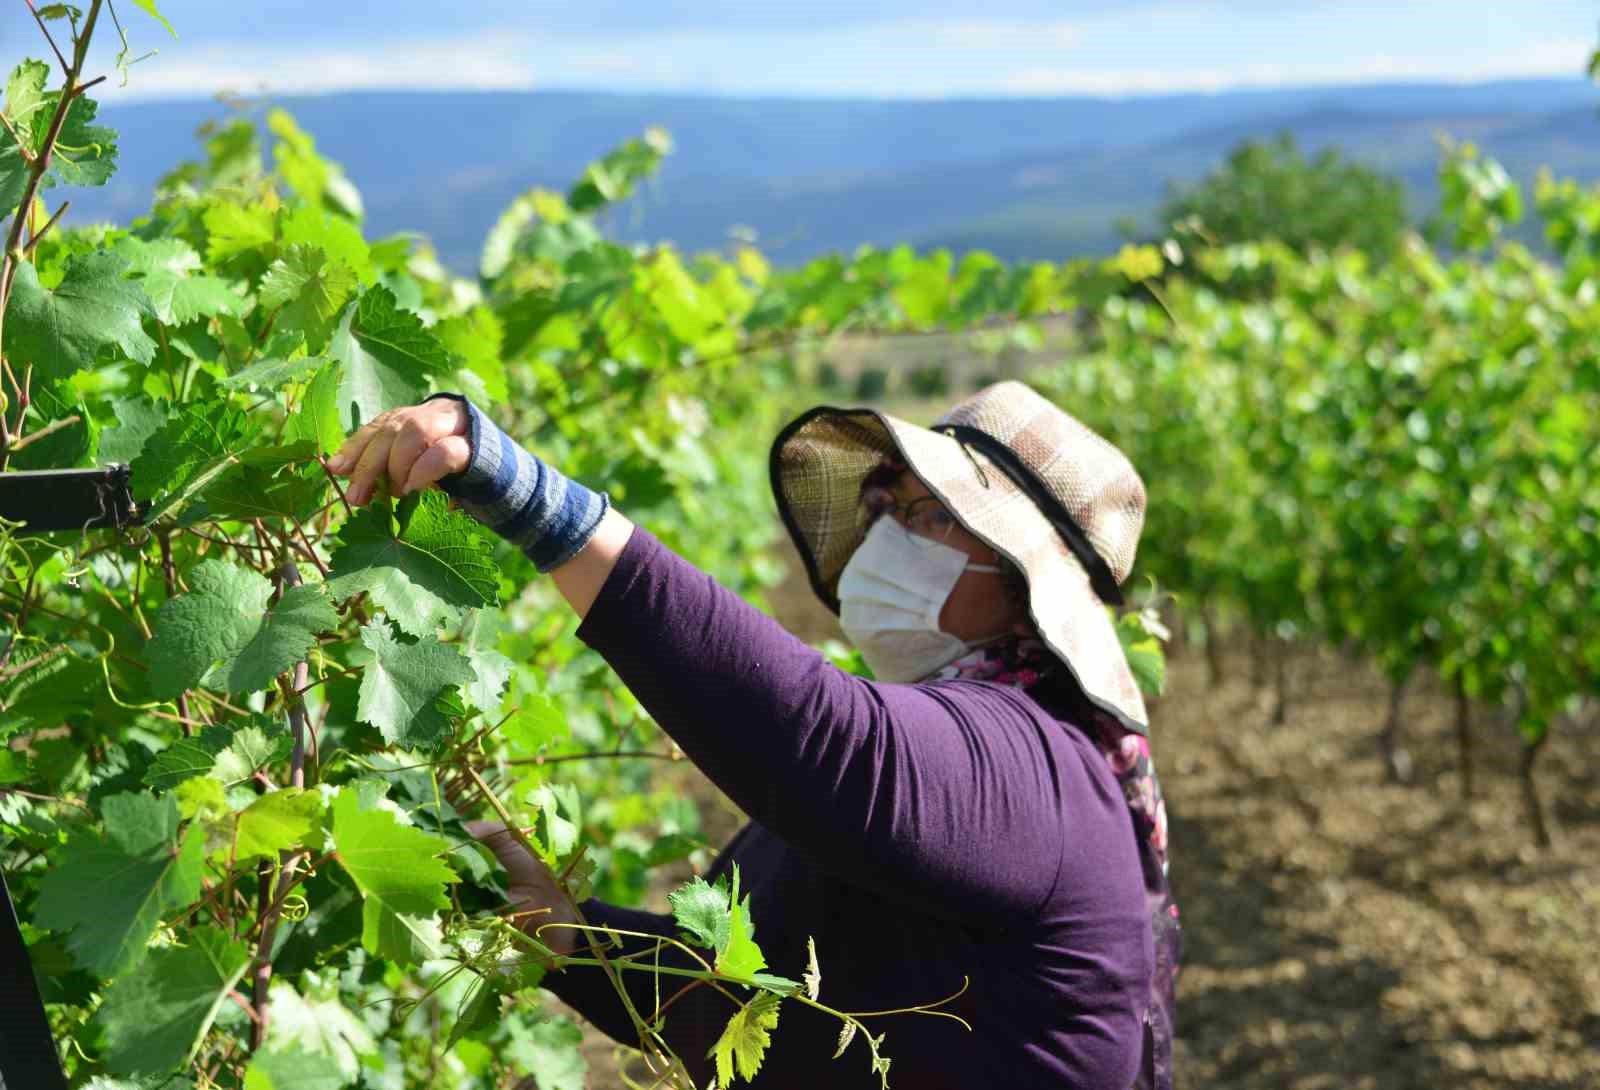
{"points": [[579, 580]]}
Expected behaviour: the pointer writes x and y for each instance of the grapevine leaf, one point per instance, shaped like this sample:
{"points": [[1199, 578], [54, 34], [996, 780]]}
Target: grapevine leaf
{"points": [[202, 798], [702, 911], [269, 374], [169, 271], [549, 1051], [306, 224], [293, 1068], [491, 669], [190, 451], [321, 1026], [65, 329], [313, 178], [149, 8], [317, 417], [307, 288], [155, 1019], [743, 1044], [25, 96], [422, 565], [476, 338], [187, 758], [251, 748], [559, 819], [401, 687], [742, 957], [84, 153], [536, 723], [148, 1082], [277, 821], [247, 491], [235, 229], [480, 1010], [138, 418], [399, 872], [225, 620], [387, 356], [227, 754], [403, 938], [25, 99], [70, 444], [111, 892]]}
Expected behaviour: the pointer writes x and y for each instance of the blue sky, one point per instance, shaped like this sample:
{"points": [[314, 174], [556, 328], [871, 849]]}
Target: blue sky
{"points": [[900, 48]]}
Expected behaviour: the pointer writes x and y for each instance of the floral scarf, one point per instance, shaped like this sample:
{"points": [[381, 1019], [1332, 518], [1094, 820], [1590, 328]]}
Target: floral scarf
{"points": [[1029, 665]]}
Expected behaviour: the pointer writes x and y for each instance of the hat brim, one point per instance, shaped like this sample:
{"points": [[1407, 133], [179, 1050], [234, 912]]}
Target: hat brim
{"points": [[817, 465]]}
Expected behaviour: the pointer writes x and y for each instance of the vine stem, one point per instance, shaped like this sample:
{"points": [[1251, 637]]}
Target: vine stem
{"points": [[169, 573], [37, 169], [270, 904], [596, 756], [65, 67]]}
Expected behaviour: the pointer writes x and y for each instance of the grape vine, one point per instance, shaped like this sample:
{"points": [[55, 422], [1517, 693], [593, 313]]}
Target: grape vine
{"points": [[242, 737]]}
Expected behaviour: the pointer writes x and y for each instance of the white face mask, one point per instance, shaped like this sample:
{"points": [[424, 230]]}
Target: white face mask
{"points": [[890, 596]]}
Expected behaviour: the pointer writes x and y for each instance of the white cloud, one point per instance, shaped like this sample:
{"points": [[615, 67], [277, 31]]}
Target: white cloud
{"points": [[917, 58], [484, 63], [994, 34], [1547, 59]]}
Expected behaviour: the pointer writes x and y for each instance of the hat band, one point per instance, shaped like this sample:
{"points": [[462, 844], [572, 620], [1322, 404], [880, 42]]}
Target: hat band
{"points": [[1054, 511]]}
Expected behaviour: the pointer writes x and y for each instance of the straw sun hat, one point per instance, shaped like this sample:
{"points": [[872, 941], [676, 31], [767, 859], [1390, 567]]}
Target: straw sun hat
{"points": [[1032, 482]]}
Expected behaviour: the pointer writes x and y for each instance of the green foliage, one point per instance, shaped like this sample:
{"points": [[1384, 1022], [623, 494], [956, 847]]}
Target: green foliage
{"points": [[225, 632], [419, 562], [1270, 190], [277, 822], [83, 153], [744, 1041], [154, 1019], [111, 891], [401, 687], [399, 874], [168, 270], [387, 355], [93, 311], [187, 452], [549, 1052], [293, 1068]]}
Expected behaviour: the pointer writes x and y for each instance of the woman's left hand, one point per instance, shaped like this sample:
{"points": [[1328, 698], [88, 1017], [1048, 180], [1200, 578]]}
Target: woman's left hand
{"points": [[413, 447], [536, 894]]}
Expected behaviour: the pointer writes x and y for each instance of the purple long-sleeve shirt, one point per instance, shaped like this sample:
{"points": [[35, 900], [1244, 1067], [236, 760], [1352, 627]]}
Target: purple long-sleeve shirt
{"points": [[922, 834]]}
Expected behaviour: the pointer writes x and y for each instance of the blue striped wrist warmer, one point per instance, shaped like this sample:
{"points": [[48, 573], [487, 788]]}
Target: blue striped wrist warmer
{"points": [[549, 517]]}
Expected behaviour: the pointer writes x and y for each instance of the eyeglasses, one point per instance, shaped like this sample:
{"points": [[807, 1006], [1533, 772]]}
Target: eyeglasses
{"points": [[924, 516]]}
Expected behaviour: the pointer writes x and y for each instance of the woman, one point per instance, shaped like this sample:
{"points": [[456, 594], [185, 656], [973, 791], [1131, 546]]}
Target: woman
{"points": [[985, 811]]}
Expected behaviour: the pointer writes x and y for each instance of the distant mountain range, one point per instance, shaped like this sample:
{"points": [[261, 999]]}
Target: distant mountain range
{"points": [[1026, 178]]}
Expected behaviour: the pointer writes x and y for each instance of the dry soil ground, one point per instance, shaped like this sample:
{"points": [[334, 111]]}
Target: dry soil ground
{"points": [[1347, 934]]}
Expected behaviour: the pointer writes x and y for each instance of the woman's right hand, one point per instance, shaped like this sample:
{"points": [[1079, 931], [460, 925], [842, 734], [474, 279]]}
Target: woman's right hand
{"points": [[413, 447], [537, 899]]}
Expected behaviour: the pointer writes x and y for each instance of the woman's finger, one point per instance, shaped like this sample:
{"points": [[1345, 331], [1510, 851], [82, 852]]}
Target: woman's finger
{"points": [[498, 839], [449, 455], [363, 482], [521, 866], [411, 438], [349, 453]]}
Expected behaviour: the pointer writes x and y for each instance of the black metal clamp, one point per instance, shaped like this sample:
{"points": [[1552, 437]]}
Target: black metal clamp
{"points": [[69, 499]]}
